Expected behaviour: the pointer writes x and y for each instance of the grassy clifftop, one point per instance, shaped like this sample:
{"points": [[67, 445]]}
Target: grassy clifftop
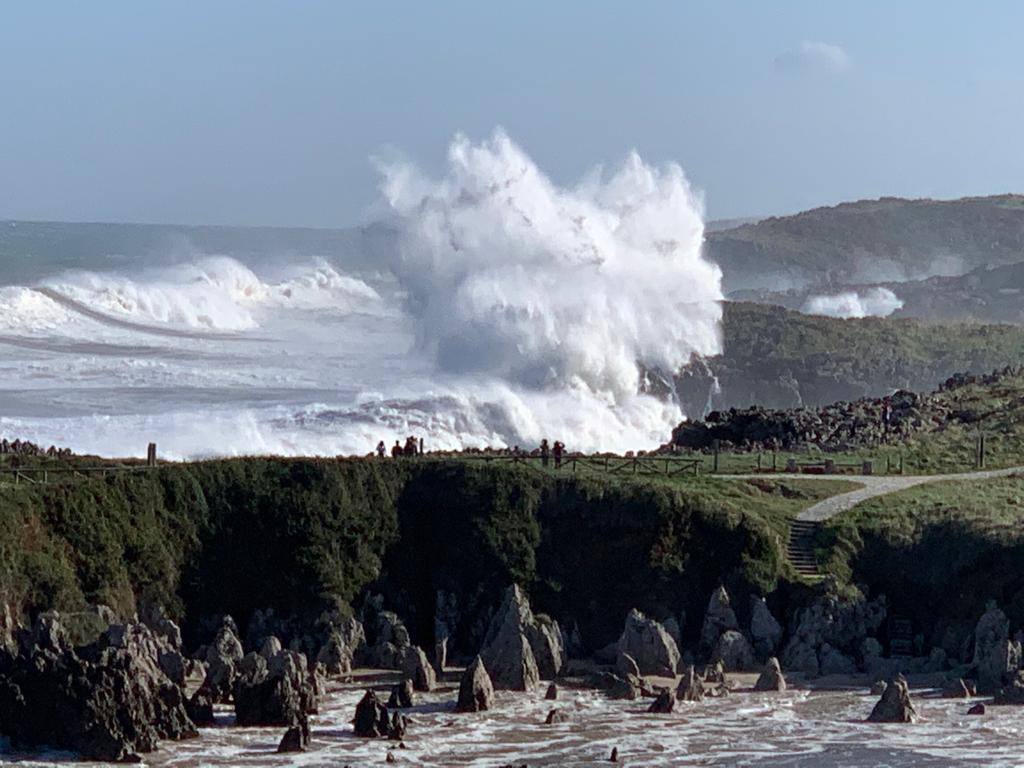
{"points": [[871, 241], [299, 535], [778, 358]]}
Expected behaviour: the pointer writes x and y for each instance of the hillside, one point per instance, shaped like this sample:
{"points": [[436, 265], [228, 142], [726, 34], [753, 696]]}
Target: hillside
{"points": [[778, 358], [871, 241]]}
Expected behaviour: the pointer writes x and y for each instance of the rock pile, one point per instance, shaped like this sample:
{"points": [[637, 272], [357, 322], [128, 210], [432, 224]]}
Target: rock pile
{"points": [[106, 701]]}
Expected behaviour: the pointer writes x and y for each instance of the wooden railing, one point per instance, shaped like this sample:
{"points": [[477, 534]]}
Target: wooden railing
{"points": [[666, 466]]}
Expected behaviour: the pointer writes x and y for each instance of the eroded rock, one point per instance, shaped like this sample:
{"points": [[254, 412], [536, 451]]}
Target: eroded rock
{"points": [[647, 642]]}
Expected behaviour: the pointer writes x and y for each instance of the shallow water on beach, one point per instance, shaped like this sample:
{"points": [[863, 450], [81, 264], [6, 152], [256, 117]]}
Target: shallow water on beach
{"points": [[796, 728]]}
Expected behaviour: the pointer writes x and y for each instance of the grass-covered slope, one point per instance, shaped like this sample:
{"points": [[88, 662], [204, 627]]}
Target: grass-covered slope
{"points": [[778, 358], [871, 241], [299, 535], [938, 551]]}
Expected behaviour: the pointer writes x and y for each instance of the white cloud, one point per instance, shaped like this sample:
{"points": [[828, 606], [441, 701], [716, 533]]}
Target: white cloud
{"points": [[814, 56]]}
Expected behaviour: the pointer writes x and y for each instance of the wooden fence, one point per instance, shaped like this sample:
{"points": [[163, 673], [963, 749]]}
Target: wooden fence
{"points": [[665, 466]]}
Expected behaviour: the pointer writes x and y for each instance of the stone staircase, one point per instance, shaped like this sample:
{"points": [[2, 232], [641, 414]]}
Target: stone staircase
{"points": [[800, 548]]}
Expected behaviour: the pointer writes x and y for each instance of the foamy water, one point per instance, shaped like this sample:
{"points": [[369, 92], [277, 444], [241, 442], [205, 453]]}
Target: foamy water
{"points": [[795, 728], [507, 309]]}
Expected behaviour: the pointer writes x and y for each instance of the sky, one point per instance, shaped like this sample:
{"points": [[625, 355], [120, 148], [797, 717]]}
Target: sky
{"points": [[270, 113]]}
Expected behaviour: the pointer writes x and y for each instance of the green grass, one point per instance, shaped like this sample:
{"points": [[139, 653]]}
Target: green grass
{"points": [[938, 551]]}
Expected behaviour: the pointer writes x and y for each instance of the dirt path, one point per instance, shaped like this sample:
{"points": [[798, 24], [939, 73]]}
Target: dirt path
{"points": [[875, 485]]}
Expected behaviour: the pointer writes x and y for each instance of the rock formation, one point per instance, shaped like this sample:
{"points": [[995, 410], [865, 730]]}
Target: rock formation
{"points": [[508, 651], [690, 686], [221, 657], [371, 720], [296, 738], [647, 642], [734, 652], [895, 705], [476, 692], [107, 701], [996, 656], [418, 669], [771, 678], [275, 692], [334, 655], [401, 695], [765, 631], [664, 703], [718, 618]]}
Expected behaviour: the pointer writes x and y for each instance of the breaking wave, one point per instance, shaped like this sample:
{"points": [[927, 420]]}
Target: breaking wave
{"points": [[876, 302]]}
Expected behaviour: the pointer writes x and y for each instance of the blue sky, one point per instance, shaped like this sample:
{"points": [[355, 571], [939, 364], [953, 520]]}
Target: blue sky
{"points": [[267, 113]]}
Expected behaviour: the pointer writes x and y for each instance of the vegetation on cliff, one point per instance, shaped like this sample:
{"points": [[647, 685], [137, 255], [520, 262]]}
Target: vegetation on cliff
{"points": [[778, 358], [300, 535]]}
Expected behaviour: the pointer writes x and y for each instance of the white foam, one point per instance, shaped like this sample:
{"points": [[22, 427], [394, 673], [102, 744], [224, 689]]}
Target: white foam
{"points": [[875, 302]]}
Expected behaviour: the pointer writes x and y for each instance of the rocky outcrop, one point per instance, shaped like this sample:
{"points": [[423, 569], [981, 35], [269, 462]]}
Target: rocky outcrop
{"points": [[734, 652], [106, 701], [296, 738], [690, 686], [996, 656], [274, 692], [417, 669], [552, 692], [401, 695], [371, 720], [771, 678], [626, 665], [895, 705], [765, 631], [1012, 692], [476, 692], [647, 642], [334, 656], [831, 624], [664, 703], [507, 652], [390, 639], [556, 717], [956, 689], [718, 618], [616, 686], [221, 657]]}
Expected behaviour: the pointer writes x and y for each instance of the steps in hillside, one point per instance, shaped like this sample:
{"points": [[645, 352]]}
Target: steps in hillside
{"points": [[800, 548]]}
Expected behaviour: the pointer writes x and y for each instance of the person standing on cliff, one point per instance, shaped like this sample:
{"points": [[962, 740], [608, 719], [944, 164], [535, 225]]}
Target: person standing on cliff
{"points": [[396, 450], [545, 451], [557, 451]]}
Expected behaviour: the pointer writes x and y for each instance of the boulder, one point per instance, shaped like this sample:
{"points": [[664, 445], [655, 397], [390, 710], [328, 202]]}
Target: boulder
{"points": [[547, 644], [996, 656], [765, 631], [387, 641], [401, 695], [154, 617], [771, 678], [334, 655], [690, 686], [107, 701], [664, 704], [397, 726], [507, 652], [734, 652], [894, 706], [476, 693], [878, 687], [280, 693], [417, 668], [719, 618], [654, 651], [296, 738], [552, 692], [371, 720], [617, 686], [1012, 692], [556, 717], [977, 709]]}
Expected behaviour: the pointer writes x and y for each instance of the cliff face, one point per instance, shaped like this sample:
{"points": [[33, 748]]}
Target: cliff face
{"points": [[300, 536], [778, 358]]}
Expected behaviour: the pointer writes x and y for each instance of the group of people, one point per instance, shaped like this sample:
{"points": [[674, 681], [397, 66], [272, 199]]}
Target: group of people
{"points": [[556, 451], [412, 447]]}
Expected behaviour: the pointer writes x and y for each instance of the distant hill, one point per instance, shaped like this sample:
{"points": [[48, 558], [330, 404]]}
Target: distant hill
{"points": [[871, 241], [778, 358]]}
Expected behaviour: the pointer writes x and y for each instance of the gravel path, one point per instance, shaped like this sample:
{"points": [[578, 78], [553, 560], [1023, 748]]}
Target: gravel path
{"points": [[874, 485]]}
